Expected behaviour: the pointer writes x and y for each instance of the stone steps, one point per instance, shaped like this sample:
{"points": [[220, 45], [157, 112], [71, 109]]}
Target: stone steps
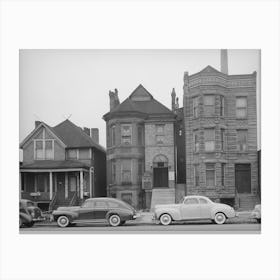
{"points": [[248, 202], [162, 196]]}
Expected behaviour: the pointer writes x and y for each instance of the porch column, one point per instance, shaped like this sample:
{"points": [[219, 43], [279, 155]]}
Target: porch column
{"points": [[91, 192], [81, 185], [51, 186], [20, 185], [66, 185]]}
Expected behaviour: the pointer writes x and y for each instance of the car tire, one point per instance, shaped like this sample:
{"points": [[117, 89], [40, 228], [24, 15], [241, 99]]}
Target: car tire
{"points": [[220, 218], [122, 223], [259, 221], [30, 224], [20, 222], [114, 220], [165, 219], [63, 221]]}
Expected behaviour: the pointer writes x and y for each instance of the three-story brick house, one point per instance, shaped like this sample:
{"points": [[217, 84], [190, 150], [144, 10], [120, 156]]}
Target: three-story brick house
{"points": [[221, 136]]}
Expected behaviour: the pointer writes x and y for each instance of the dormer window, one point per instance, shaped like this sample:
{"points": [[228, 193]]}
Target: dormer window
{"points": [[44, 149]]}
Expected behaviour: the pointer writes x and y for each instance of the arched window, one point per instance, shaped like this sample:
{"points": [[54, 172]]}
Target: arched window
{"points": [[160, 161]]}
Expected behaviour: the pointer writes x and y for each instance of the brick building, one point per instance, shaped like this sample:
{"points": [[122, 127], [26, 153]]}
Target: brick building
{"points": [[140, 149], [221, 135]]}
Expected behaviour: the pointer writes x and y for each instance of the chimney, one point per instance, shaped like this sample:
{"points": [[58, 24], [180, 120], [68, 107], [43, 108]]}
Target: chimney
{"points": [[117, 101], [112, 99], [37, 123], [224, 61], [173, 97], [94, 134], [87, 131], [177, 103]]}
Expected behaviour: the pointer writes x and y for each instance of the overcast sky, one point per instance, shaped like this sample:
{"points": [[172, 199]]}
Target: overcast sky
{"points": [[55, 84]]}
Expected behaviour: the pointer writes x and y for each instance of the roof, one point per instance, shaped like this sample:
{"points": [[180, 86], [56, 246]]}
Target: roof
{"points": [[141, 101], [55, 164], [74, 136], [70, 135]]}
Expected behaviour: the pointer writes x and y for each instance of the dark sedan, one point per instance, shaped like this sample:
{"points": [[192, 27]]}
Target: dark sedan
{"points": [[95, 210]]}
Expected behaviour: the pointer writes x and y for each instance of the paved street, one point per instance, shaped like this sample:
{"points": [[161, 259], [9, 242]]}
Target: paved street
{"points": [[148, 228]]}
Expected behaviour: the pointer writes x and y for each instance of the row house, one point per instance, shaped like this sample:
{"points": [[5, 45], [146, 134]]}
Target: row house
{"points": [[62, 165], [221, 136], [140, 149]]}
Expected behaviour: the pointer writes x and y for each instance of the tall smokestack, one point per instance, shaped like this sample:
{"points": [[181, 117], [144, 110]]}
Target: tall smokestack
{"points": [[224, 61], [173, 97]]}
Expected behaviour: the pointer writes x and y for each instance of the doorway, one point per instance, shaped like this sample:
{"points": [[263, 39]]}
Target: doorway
{"points": [[243, 178]]}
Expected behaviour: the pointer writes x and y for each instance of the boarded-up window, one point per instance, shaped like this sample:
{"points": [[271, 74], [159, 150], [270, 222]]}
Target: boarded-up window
{"points": [[84, 153], [126, 134], [209, 139]]}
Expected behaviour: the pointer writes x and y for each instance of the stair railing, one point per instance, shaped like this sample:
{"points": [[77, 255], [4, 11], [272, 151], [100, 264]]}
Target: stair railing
{"points": [[73, 199], [53, 201]]}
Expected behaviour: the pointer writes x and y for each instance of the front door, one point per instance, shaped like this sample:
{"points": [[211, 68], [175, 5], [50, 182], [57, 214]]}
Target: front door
{"points": [[160, 177], [190, 209], [86, 212], [60, 185], [243, 178]]}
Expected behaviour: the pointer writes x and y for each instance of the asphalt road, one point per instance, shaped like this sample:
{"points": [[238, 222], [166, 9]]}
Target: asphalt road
{"points": [[186, 228]]}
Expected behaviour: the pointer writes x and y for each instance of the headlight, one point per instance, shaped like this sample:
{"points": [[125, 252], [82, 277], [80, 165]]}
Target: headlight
{"points": [[32, 214]]}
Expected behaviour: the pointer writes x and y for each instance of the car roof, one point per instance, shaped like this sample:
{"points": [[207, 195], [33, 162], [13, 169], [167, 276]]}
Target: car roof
{"points": [[196, 196]]}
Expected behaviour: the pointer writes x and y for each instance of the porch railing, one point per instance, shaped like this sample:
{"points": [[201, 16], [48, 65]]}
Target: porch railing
{"points": [[53, 201]]}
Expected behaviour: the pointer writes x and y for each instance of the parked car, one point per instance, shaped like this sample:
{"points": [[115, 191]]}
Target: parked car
{"points": [[257, 213], [96, 210], [29, 213], [193, 208]]}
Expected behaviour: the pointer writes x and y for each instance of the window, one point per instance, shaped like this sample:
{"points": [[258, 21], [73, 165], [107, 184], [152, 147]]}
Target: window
{"points": [[223, 165], [196, 141], [210, 175], [113, 171], [241, 107], [196, 107], [202, 201], [72, 154], [160, 133], [88, 204], [84, 153], [100, 205], [209, 105], [242, 140], [113, 135], [140, 169], [44, 149], [191, 201], [113, 204], [209, 139], [196, 175], [222, 139], [126, 171], [140, 135], [126, 134], [222, 106]]}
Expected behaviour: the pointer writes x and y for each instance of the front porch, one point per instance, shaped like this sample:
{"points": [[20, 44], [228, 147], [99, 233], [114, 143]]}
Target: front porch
{"points": [[51, 188]]}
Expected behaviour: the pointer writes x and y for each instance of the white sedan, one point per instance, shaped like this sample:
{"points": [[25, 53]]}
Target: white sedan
{"points": [[193, 208]]}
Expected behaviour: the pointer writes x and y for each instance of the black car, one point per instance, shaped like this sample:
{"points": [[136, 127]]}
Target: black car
{"points": [[95, 210], [29, 213]]}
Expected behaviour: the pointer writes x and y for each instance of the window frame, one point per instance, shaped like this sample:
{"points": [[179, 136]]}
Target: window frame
{"points": [[222, 106], [239, 108], [113, 135], [195, 106], [196, 143], [223, 174], [159, 134], [237, 140], [213, 141], [223, 139], [212, 106], [43, 140], [123, 136], [196, 175], [122, 172], [207, 168]]}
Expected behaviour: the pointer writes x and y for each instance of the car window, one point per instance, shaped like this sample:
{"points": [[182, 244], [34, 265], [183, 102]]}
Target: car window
{"points": [[113, 204], [203, 201], [100, 204], [88, 204], [30, 203], [191, 201]]}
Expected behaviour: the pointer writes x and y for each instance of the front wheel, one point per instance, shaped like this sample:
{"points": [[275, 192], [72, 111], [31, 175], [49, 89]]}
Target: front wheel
{"points": [[114, 220], [63, 221], [220, 218], [165, 219]]}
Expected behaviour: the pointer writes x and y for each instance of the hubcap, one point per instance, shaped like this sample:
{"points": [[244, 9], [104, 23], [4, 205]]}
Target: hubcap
{"points": [[114, 220], [165, 219], [63, 221], [220, 218]]}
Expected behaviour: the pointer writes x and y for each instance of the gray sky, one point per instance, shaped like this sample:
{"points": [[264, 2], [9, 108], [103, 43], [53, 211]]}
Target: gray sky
{"points": [[57, 83]]}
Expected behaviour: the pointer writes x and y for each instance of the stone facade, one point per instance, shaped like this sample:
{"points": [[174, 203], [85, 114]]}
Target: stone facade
{"points": [[140, 136], [221, 134]]}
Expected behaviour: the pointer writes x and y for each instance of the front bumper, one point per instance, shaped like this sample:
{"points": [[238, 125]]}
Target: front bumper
{"points": [[135, 216], [38, 219]]}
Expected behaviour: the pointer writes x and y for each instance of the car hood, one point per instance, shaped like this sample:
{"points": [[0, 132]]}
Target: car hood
{"points": [[222, 205], [68, 208]]}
